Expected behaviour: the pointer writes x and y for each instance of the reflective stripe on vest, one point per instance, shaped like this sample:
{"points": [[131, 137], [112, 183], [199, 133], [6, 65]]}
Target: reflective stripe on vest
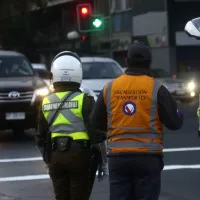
{"points": [[69, 120], [130, 137]]}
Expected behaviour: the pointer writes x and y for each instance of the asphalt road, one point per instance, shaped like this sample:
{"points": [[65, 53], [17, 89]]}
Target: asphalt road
{"points": [[26, 179]]}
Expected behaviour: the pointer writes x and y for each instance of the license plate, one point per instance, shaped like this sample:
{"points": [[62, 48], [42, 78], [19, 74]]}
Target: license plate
{"points": [[15, 116]]}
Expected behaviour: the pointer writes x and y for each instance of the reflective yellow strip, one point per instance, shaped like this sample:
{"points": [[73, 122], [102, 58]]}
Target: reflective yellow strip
{"points": [[45, 101], [74, 136], [78, 112], [60, 95]]}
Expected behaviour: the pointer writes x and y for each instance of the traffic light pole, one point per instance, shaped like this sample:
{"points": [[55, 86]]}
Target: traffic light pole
{"points": [[110, 33], [86, 47]]}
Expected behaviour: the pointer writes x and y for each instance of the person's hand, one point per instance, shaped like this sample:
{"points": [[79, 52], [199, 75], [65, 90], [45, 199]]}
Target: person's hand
{"points": [[47, 168], [102, 171]]}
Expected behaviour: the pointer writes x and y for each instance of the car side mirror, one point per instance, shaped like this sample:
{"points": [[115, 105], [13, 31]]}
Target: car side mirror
{"points": [[192, 28]]}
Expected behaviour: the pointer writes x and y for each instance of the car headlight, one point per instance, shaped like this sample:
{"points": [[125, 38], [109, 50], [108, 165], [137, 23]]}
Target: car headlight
{"points": [[42, 91], [51, 88], [191, 85]]}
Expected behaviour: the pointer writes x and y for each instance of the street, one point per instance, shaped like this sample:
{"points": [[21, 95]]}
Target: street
{"points": [[23, 175]]}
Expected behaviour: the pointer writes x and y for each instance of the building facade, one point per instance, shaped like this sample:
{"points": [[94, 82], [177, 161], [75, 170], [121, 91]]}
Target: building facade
{"points": [[160, 24]]}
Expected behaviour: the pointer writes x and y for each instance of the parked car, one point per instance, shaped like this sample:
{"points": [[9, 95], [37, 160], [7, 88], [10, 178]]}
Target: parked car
{"points": [[42, 72], [21, 91], [98, 71]]}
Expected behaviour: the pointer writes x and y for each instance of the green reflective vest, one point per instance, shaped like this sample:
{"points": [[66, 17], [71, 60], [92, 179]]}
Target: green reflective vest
{"points": [[69, 120]]}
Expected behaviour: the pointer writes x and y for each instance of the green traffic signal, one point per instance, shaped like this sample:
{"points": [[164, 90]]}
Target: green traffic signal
{"points": [[97, 23]]}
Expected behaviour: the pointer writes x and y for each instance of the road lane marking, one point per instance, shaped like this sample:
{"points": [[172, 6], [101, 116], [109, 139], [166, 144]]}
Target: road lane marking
{"points": [[25, 178], [181, 149], [20, 159], [174, 167], [46, 176]]}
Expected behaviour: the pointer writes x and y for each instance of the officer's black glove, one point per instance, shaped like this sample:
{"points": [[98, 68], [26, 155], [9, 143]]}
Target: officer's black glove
{"points": [[102, 171]]}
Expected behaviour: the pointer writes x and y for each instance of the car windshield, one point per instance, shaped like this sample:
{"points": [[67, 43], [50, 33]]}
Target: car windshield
{"points": [[101, 70], [15, 66], [159, 73]]}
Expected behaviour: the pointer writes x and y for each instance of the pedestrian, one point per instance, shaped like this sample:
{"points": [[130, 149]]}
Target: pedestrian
{"points": [[132, 109], [64, 117]]}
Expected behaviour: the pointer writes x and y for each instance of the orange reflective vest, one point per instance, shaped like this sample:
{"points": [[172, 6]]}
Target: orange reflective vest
{"points": [[132, 112]]}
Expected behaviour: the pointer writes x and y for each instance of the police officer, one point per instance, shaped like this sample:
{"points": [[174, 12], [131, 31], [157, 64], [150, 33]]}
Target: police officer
{"points": [[71, 131], [132, 108]]}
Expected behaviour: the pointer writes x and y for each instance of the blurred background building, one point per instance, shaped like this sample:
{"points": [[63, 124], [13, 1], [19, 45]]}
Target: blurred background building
{"points": [[39, 29]]}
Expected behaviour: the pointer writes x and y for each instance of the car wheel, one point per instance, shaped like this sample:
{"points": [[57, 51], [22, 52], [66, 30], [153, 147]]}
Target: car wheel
{"points": [[18, 131]]}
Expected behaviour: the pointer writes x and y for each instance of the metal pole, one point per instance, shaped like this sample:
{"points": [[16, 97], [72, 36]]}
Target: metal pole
{"points": [[110, 27]]}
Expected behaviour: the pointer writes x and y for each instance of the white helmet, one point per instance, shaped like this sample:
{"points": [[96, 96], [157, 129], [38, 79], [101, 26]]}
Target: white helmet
{"points": [[66, 67]]}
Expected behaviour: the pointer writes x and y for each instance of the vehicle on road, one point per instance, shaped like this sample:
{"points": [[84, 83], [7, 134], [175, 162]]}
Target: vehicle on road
{"points": [[98, 71], [21, 91], [181, 89]]}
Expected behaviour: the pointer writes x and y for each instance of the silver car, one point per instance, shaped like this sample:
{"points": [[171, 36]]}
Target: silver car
{"points": [[181, 89], [97, 71]]}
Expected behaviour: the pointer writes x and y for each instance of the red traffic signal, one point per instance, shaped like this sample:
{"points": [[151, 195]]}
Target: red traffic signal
{"points": [[84, 10], [83, 37]]}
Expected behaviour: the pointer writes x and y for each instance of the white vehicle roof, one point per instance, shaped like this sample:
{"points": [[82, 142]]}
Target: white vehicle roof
{"points": [[96, 59], [39, 66]]}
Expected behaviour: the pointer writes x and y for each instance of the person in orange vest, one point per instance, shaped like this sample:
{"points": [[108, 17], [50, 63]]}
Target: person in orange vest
{"points": [[132, 109]]}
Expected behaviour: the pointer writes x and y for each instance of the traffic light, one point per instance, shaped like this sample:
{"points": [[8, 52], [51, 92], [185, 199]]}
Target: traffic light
{"points": [[97, 22], [84, 11], [83, 37], [86, 21]]}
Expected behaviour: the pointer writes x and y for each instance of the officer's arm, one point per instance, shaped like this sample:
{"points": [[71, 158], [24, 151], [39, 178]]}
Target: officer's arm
{"points": [[99, 114], [42, 126], [168, 110], [96, 136]]}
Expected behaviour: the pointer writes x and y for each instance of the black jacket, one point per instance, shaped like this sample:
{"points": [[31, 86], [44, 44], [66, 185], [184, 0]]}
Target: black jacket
{"points": [[88, 102], [167, 108]]}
